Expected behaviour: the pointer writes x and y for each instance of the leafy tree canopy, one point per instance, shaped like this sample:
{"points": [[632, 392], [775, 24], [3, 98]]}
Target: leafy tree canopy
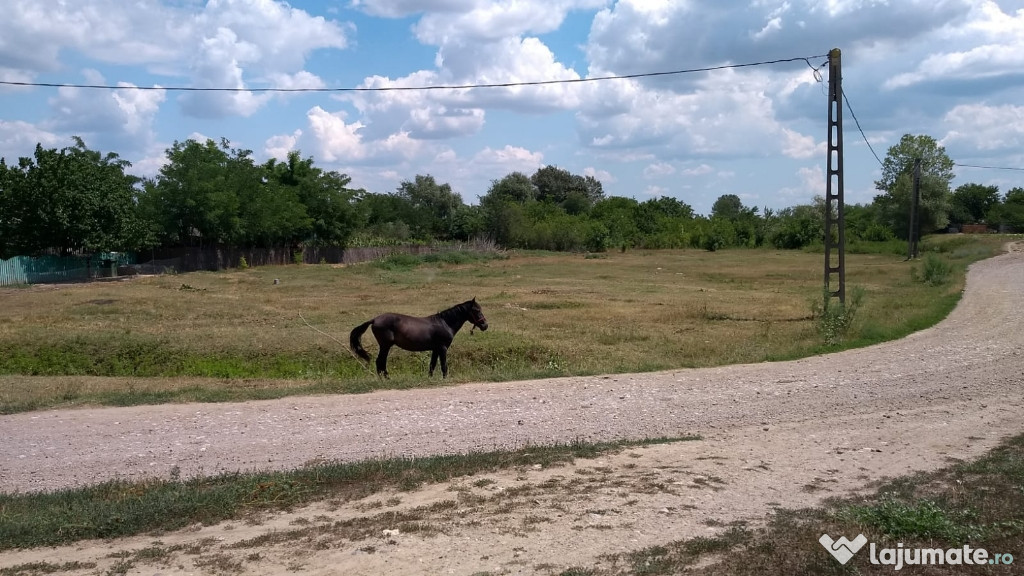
{"points": [[896, 185], [68, 200]]}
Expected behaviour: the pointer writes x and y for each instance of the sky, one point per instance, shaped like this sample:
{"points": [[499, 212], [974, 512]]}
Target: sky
{"points": [[950, 69]]}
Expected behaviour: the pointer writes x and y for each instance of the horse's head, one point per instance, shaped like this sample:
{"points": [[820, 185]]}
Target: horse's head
{"points": [[476, 315]]}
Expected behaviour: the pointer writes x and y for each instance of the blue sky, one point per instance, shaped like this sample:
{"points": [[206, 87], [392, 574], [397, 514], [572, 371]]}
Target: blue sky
{"points": [[951, 69]]}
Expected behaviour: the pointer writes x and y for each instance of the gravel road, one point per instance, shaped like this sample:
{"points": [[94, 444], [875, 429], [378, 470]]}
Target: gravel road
{"points": [[973, 358]]}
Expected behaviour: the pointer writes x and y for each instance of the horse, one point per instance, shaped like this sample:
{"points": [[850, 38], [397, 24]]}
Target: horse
{"points": [[434, 333]]}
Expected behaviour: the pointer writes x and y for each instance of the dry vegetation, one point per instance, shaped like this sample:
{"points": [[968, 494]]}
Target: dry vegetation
{"points": [[238, 335]]}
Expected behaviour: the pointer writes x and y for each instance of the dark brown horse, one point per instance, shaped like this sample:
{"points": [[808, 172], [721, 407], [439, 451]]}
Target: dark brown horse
{"points": [[434, 333]]}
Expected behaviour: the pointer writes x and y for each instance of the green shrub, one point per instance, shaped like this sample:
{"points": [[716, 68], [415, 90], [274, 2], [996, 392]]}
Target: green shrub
{"points": [[935, 270], [395, 262], [833, 318]]}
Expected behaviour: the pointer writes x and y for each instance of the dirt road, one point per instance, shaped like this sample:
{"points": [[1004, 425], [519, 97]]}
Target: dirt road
{"points": [[779, 434]]}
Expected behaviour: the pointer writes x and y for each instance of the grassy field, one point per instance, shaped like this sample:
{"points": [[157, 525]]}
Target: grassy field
{"points": [[233, 335]]}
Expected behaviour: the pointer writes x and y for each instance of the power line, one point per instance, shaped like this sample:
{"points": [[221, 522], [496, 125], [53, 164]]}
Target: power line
{"points": [[850, 108], [805, 59], [988, 167], [863, 135]]}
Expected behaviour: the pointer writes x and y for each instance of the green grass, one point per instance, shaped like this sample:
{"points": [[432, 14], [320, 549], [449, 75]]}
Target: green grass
{"points": [[979, 503], [38, 568], [118, 508], [236, 335]]}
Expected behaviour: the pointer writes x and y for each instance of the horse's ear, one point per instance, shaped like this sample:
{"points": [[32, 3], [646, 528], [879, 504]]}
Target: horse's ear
{"points": [[474, 298]]}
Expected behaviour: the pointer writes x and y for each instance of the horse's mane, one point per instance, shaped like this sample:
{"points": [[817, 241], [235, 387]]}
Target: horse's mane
{"points": [[455, 313]]}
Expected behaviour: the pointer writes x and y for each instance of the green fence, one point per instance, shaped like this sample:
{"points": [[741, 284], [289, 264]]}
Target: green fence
{"points": [[47, 269]]}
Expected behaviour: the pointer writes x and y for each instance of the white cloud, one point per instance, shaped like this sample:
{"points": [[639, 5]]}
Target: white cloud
{"points": [[336, 140], [508, 159], [726, 114], [811, 184], [105, 118], [402, 8], [988, 43], [489, 21], [439, 122], [18, 138], [281, 145], [604, 176], [800, 146], [658, 170], [152, 159], [813, 179], [985, 127], [261, 40], [701, 170], [652, 191]]}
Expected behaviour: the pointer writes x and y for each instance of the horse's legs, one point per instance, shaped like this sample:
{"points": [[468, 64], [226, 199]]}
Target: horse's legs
{"points": [[442, 353], [382, 360], [433, 362]]}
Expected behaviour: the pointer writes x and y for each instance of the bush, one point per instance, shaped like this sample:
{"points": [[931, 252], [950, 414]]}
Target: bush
{"points": [[399, 261], [935, 270], [877, 233], [834, 318]]}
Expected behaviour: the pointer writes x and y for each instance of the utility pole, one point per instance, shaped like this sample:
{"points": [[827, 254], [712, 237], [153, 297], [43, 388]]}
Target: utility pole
{"points": [[914, 233], [835, 227]]}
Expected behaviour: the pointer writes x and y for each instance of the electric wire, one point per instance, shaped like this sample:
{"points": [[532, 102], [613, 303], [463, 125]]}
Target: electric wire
{"points": [[863, 135], [806, 59], [988, 167]]}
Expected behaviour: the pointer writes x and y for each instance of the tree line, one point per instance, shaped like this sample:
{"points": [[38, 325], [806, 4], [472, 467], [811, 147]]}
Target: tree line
{"points": [[77, 200]]}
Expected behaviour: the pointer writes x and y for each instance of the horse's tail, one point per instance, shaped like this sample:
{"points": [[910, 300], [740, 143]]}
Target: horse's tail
{"points": [[355, 344]]}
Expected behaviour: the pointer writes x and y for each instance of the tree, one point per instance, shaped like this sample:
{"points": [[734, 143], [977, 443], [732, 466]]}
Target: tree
{"points": [[728, 207], [68, 200], [329, 203], [743, 222], [797, 227], [502, 207], [619, 217], [896, 185], [434, 206], [209, 193], [575, 193], [970, 203], [468, 223], [665, 206], [269, 213], [189, 202], [1010, 212], [516, 188]]}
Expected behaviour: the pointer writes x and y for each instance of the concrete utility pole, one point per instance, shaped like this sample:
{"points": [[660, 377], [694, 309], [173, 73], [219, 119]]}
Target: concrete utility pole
{"points": [[914, 233], [835, 227]]}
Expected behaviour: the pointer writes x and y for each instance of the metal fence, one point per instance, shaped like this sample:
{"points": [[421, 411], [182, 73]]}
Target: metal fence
{"points": [[48, 269]]}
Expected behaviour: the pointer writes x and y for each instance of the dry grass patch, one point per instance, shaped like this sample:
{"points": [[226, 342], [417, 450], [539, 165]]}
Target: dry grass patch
{"points": [[236, 335]]}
